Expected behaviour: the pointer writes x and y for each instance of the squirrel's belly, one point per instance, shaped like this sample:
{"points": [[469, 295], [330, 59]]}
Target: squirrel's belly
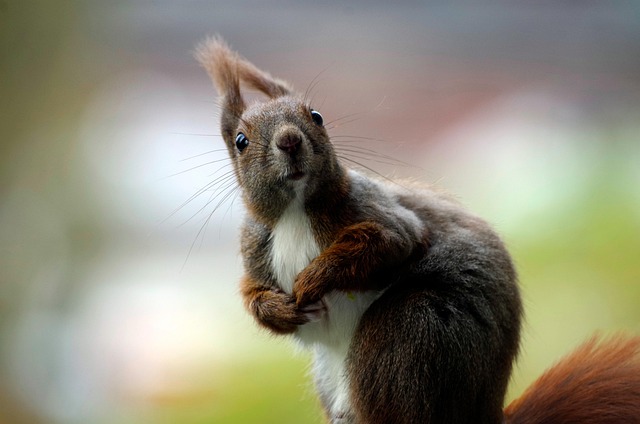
{"points": [[335, 329]]}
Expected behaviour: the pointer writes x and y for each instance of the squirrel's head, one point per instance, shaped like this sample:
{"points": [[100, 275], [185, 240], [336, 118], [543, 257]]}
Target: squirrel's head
{"points": [[279, 148]]}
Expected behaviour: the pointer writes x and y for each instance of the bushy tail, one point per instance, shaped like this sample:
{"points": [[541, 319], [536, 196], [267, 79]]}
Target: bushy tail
{"points": [[599, 383]]}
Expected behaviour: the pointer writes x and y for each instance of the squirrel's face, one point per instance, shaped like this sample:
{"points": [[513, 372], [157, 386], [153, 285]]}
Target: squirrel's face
{"points": [[282, 138], [280, 150]]}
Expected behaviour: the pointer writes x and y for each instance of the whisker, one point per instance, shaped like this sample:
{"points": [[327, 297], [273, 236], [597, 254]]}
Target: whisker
{"points": [[309, 90], [314, 83], [360, 149], [324, 99], [381, 161], [234, 191], [212, 198], [370, 154], [221, 202], [195, 134], [198, 166], [350, 115], [223, 178], [201, 232], [334, 125], [356, 138], [369, 169], [203, 154], [229, 209]]}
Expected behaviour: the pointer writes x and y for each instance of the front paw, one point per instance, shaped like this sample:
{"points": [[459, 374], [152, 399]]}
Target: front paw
{"points": [[310, 286], [279, 312]]}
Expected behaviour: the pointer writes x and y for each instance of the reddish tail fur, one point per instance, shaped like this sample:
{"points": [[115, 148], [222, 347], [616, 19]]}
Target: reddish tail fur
{"points": [[599, 383]]}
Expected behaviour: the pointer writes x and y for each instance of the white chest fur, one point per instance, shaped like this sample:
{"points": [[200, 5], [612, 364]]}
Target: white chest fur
{"points": [[293, 245]]}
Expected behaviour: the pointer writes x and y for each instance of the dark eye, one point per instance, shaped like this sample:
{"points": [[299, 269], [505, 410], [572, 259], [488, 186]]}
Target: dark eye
{"points": [[317, 118], [241, 141]]}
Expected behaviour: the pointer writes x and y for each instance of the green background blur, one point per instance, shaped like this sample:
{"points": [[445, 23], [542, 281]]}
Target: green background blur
{"points": [[116, 308]]}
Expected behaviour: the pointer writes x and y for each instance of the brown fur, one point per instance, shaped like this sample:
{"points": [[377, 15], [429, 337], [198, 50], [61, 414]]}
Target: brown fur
{"points": [[599, 383], [349, 263], [273, 309]]}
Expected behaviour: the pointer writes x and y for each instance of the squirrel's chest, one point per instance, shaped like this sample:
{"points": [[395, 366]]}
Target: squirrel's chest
{"points": [[293, 246]]}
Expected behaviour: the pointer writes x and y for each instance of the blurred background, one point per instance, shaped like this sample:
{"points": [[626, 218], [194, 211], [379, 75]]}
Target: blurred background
{"points": [[118, 275]]}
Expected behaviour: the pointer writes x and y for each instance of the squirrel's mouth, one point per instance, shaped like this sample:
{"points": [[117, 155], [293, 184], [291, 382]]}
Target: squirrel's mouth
{"points": [[295, 171]]}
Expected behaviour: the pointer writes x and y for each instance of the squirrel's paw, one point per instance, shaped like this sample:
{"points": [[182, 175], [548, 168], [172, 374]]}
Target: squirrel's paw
{"points": [[310, 286], [279, 311]]}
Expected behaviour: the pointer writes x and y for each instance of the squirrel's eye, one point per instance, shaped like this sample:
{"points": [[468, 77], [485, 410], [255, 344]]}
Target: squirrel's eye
{"points": [[317, 118], [241, 141]]}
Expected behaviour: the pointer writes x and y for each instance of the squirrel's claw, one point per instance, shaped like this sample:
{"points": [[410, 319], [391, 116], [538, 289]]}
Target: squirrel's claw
{"points": [[314, 311]]}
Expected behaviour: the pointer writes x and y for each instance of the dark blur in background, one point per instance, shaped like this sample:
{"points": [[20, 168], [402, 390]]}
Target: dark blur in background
{"points": [[115, 309]]}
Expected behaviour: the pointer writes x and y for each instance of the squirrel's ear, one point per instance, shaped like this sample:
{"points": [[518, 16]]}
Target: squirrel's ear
{"points": [[226, 68], [222, 65]]}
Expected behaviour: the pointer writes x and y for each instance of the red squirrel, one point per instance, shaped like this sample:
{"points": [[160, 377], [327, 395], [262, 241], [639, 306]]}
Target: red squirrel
{"points": [[408, 302]]}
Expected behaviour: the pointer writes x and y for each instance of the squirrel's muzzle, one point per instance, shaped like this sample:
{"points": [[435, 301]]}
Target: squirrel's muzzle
{"points": [[289, 143]]}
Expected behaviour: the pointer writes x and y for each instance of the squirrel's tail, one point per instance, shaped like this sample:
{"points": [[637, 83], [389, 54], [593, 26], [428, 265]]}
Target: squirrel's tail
{"points": [[598, 383]]}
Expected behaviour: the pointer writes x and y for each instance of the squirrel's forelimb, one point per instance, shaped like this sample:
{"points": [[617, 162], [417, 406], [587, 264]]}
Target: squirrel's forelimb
{"points": [[349, 264]]}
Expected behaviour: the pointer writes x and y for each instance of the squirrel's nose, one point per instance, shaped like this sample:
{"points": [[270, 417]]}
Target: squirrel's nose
{"points": [[289, 143]]}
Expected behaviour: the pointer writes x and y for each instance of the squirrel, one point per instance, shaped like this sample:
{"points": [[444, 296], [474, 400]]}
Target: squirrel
{"points": [[408, 302]]}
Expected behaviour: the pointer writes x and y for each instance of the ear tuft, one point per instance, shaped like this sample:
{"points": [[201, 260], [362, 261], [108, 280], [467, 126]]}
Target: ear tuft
{"points": [[222, 65], [219, 61], [226, 68]]}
